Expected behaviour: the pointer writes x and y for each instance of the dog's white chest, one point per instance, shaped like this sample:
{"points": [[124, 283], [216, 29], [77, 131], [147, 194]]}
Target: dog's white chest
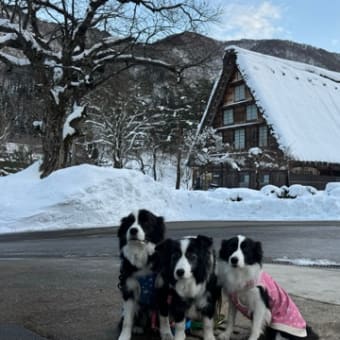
{"points": [[188, 288], [138, 253]]}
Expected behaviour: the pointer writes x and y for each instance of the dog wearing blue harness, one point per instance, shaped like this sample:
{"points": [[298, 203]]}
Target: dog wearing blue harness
{"points": [[138, 234]]}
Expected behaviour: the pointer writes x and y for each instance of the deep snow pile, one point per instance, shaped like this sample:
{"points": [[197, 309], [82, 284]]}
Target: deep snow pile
{"points": [[90, 196]]}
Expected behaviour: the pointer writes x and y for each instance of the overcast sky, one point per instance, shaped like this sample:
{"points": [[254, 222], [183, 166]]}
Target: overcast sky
{"points": [[313, 22]]}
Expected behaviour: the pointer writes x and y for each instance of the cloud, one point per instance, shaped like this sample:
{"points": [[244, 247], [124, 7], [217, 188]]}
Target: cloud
{"points": [[239, 21]]}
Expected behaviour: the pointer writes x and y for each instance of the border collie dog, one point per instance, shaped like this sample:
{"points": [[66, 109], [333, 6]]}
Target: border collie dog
{"points": [[186, 285], [256, 295], [138, 234]]}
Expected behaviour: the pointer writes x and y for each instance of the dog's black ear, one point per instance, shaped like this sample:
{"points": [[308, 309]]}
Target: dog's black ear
{"points": [[205, 241], [258, 252], [224, 246], [224, 243], [228, 244], [228, 247], [158, 231], [159, 257], [161, 228], [162, 257], [164, 247], [121, 228], [124, 225], [160, 220], [205, 264]]}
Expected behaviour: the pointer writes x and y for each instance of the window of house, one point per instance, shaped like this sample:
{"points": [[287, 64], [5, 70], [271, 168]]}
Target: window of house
{"points": [[264, 179], [237, 76], [251, 112], [239, 139], [239, 93], [206, 179], [228, 116], [305, 170], [216, 180], [244, 180], [263, 136]]}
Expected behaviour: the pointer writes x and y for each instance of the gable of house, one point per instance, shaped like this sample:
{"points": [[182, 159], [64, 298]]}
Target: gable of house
{"points": [[239, 120]]}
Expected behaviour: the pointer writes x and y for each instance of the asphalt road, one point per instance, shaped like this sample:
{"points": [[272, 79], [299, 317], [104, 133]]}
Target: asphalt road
{"points": [[312, 240], [63, 285]]}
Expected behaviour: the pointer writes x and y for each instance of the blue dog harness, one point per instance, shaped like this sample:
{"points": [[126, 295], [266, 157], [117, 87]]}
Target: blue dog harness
{"points": [[147, 287], [147, 298]]}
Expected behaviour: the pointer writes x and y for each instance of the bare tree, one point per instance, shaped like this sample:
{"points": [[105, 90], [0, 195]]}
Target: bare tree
{"points": [[181, 110], [4, 127], [68, 66], [122, 130]]}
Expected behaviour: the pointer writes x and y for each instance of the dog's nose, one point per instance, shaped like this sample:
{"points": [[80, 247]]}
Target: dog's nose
{"points": [[234, 260], [133, 231], [180, 272]]}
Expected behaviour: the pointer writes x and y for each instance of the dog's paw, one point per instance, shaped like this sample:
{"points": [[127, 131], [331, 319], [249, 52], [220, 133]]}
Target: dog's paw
{"points": [[209, 337], [253, 338], [167, 336], [124, 336], [179, 337], [224, 336]]}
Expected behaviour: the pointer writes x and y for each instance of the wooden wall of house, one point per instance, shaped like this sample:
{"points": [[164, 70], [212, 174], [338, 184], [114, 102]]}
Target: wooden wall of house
{"points": [[318, 182], [316, 174], [235, 80], [232, 179], [223, 176], [252, 139]]}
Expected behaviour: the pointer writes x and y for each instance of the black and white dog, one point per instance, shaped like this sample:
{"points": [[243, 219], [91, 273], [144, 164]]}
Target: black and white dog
{"points": [[256, 295], [138, 234], [187, 285]]}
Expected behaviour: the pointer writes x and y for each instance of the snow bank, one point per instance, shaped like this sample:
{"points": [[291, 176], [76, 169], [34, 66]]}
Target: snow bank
{"points": [[307, 262], [333, 189], [90, 196]]}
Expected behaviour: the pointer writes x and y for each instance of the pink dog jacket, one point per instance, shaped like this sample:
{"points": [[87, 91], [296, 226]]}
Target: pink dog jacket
{"points": [[286, 317]]}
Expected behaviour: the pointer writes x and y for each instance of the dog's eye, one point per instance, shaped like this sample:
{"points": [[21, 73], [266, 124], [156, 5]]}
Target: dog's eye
{"points": [[175, 256], [191, 256], [244, 245]]}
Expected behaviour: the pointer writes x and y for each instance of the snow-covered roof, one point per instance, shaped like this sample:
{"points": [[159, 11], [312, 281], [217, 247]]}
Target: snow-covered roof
{"points": [[300, 102]]}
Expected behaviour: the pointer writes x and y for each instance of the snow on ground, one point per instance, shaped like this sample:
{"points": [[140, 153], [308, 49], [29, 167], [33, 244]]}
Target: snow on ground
{"points": [[307, 262], [90, 196]]}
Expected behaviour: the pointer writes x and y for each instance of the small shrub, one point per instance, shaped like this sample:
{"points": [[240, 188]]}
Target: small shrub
{"points": [[236, 198], [298, 190]]}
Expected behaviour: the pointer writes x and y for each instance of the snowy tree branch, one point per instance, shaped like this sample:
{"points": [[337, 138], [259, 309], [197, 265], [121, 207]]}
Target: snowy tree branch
{"points": [[86, 23], [48, 5], [24, 40], [15, 61], [151, 6]]}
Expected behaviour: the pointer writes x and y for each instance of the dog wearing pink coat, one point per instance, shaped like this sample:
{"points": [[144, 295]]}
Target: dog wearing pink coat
{"points": [[255, 294]]}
